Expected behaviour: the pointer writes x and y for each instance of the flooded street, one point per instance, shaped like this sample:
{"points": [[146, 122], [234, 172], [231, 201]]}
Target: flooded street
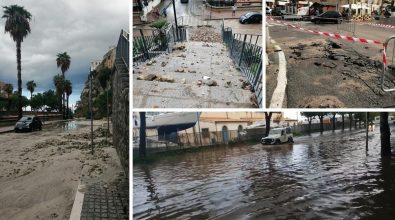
{"points": [[326, 176]]}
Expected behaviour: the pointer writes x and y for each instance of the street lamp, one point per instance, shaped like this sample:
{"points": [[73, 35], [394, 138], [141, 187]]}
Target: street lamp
{"points": [[175, 17], [90, 105]]}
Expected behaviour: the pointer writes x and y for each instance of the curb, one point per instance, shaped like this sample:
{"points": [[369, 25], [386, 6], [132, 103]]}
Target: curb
{"points": [[278, 96]]}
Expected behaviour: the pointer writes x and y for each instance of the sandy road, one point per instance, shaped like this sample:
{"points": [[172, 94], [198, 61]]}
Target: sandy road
{"points": [[40, 171]]}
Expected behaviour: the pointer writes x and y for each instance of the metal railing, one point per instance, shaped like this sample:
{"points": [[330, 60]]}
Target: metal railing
{"points": [[247, 52], [388, 64], [155, 42], [122, 52], [346, 25]]}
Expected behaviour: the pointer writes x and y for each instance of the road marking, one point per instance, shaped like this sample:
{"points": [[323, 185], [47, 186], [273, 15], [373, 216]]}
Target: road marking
{"points": [[279, 92], [78, 202]]}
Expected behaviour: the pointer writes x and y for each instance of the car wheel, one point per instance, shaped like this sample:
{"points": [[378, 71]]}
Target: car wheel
{"points": [[290, 140], [277, 142], [317, 21]]}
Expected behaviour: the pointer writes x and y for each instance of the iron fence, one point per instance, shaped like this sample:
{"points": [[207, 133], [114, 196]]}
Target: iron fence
{"points": [[149, 45], [122, 52], [247, 52], [181, 140], [346, 25]]}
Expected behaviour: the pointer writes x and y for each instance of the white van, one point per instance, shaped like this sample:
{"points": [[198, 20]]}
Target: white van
{"points": [[278, 136]]}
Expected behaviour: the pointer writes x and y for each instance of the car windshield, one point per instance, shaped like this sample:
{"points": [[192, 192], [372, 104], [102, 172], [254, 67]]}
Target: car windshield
{"points": [[272, 132], [249, 14], [26, 118]]}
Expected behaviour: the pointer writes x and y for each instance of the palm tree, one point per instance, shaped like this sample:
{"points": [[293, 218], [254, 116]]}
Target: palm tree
{"points": [[8, 89], [59, 84], [68, 89], [268, 118], [31, 85], [63, 62], [18, 26]]}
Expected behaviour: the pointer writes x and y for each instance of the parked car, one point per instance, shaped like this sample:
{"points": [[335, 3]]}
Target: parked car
{"points": [[28, 123], [328, 16], [251, 18], [278, 11], [268, 11], [278, 136], [184, 1]]}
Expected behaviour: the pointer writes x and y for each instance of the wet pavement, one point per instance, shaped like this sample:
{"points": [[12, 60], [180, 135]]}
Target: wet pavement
{"points": [[326, 176]]}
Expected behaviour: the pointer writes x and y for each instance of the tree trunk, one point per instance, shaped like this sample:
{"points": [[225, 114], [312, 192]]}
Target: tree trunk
{"points": [[268, 117], [309, 125], [334, 122], [67, 108], [19, 68], [321, 124], [343, 122], [385, 134], [142, 147], [350, 118]]}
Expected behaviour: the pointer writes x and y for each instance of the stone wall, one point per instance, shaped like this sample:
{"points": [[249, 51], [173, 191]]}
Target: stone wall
{"points": [[120, 116]]}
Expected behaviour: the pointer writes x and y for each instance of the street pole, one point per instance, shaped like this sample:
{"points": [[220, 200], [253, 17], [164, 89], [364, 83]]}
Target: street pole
{"points": [[175, 17], [108, 114], [91, 107], [200, 132]]}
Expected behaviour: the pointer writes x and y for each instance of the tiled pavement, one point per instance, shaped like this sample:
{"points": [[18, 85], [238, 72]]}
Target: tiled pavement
{"points": [[107, 201]]}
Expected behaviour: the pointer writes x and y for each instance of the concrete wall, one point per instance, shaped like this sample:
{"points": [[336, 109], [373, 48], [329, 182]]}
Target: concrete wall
{"points": [[120, 116]]}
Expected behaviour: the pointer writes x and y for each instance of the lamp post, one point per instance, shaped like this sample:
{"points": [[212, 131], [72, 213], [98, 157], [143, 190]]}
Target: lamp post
{"points": [[91, 106], [175, 17]]}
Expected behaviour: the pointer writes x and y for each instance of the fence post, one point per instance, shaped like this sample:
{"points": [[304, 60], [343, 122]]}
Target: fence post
{"points": [[144, 44], [231, 48], [242, 49]]}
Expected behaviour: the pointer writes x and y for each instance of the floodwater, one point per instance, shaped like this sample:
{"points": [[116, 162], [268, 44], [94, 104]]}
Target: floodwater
{"points": [[66, 125], [328, 176]]}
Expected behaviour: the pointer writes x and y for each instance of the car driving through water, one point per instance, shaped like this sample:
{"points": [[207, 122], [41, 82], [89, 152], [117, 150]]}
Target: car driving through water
{"points": [[278, 136]]}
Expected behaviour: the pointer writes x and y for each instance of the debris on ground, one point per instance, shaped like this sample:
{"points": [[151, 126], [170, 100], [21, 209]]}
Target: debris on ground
{"points": [[205, 34]]}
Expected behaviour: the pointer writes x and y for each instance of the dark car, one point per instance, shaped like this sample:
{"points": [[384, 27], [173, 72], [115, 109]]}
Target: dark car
{"points": [[251, 18], [184, 1], [28, 123], [329, 16]]}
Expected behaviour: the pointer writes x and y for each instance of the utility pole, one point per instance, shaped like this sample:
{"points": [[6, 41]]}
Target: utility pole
{"points": [[175, 18], [91, 106], [108, 114], [200, 132]]}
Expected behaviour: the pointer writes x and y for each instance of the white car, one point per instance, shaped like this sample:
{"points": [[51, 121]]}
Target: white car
{"points": [[268, 11], [278, 136]]}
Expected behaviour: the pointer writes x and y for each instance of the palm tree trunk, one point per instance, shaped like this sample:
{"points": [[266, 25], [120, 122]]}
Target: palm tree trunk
{"points": [[19, 76], [343, 122], [67, 108], [385, 135], [142, 144]]}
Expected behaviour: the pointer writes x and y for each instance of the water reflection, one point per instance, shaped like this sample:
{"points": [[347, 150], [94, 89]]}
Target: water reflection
{"points": [[325, 176]]}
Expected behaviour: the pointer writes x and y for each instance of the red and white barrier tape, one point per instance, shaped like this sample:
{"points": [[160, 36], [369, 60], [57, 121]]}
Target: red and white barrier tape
{"points": [[380, 25], [338, 36]]}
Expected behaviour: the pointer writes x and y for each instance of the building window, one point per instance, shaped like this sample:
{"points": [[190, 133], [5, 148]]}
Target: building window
{"points": [[205, 133]]}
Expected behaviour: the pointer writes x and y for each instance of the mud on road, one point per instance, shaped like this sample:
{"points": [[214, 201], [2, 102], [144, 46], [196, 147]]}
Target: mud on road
{"points": [[40, 171], [325, 73]]}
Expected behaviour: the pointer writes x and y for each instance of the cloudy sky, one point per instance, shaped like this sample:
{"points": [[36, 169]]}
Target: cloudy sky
{"points": [[84, 29]]}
